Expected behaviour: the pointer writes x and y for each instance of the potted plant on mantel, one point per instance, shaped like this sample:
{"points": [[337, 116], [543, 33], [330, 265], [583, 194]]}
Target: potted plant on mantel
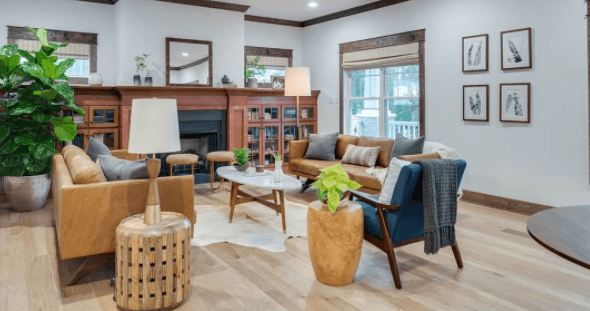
{"points": [[253, 70], [335, 228], [241, 159], [35, 91]]}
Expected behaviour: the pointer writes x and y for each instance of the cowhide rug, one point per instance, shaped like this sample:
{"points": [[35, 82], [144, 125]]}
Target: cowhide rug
{"points": [[253, 225]]}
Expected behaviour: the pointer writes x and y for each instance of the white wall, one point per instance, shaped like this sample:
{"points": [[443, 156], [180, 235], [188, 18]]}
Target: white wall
{"points": [[275, 36], [66, 15], [146, 24], [544, 162]]}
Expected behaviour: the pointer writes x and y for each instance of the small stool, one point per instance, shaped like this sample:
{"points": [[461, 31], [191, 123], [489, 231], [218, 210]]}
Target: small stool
{"points": [[153, 262], [182, 159], [219, 156]]}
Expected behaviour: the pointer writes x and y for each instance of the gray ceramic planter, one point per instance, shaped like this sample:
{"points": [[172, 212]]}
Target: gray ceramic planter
{"points": [[27, 193]]}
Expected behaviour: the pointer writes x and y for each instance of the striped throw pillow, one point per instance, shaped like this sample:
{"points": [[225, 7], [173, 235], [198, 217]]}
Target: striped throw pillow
{"points": [[365, 156]]}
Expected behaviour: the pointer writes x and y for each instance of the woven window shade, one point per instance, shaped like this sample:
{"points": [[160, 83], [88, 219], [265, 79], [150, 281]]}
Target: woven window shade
{"points": [[391, 56], [270, 62], [73, 50]]}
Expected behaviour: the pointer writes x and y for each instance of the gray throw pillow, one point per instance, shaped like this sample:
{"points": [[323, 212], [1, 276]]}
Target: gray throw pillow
{"points": [[403, 146], [117, 169], [96, 148], [322, 147]]}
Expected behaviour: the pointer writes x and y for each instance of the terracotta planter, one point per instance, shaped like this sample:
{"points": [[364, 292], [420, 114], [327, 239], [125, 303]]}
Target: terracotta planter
{"points": [[27, 193], [335, 241]]}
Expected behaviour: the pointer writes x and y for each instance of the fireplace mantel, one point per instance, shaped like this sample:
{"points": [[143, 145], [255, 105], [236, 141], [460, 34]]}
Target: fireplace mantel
{"points": [[234, 100]]}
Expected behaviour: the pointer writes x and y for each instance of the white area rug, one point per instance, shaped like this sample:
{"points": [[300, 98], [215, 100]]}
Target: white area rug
{"points": [[253, 225]]}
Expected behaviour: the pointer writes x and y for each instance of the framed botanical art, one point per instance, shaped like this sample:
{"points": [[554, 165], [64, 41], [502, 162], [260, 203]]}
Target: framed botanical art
{"points": [[515, 102], [475, 53], [476, 103], [517, 50]]}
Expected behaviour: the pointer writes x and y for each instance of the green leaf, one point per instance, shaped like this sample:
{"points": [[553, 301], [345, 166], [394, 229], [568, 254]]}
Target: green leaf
{"points": [[48, 94], [13, 62], [42, 117], [63, 67], [9, 50], [42, 150], [64, 128], [34, 166], [35, 70], [8, 146], [27, 55], [25, 139], [4, 132], [49, 67], [16, 171], [40, 33], [24, 108], [333, 200]]}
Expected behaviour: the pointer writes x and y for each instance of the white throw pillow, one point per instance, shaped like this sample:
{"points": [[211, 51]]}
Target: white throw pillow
{"points": [[395, 168]]}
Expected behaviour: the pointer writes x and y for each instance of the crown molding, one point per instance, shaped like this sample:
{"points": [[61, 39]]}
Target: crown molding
{"points": [[352, 11], [212, 4], [270, 20]]}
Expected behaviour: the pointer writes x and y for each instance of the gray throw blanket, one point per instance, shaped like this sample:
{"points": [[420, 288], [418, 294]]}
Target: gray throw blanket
{"points": [[440, 203]]}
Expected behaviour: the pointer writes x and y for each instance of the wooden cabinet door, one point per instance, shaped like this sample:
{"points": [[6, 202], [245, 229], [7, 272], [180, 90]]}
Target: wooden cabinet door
{"points": [[271, 140], [103, 116], [307, 129], [271, 113], [289, 134], [109, 137], [81, 121], [254, 143], [289, 114], [308, 113]]}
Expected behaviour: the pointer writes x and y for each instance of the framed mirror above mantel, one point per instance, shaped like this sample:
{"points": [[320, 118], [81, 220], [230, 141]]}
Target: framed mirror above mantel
{"points": [[189, 62]]}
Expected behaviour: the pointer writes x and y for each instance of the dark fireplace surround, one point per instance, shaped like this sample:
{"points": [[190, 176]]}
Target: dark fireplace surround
{"points": [[209, 124]]}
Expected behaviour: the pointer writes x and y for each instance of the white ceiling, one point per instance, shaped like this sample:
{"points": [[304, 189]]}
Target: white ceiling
{"points": [[195, 52], [297, 10]]}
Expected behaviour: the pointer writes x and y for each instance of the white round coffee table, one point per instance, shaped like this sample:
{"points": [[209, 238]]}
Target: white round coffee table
{"points": [[258, 180]]}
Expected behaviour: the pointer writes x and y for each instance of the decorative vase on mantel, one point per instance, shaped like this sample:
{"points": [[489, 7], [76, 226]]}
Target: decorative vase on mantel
{"points": [[252, 83], [278, 173], [137, 80], [95, 79]]}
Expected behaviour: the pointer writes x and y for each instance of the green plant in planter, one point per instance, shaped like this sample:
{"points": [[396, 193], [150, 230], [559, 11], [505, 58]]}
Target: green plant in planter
{"points": [[241, 156], [253, 69], [331, 185], [35, 91]]}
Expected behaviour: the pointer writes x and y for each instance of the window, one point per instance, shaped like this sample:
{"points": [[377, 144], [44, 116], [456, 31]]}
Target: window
{"points": [[384, 102], [382, 86], [82, 47], [274, 60]]}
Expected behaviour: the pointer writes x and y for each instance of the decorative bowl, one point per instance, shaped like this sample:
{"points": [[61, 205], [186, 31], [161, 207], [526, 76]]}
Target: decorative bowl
{"points": [[241, 168]]}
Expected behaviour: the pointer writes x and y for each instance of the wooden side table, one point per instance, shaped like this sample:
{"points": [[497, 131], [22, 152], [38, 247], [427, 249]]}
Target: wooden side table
{"points": [[152, 262]]}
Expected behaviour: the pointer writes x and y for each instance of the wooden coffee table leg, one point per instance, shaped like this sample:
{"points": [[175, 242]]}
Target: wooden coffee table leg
{"points": [[282, 199], [274, 194], [232, 200], [171, 169]]}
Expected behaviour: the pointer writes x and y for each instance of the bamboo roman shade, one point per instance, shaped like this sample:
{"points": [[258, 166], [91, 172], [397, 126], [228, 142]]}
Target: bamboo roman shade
{"points": [[270, 62], [390, 56], [73, 50]]}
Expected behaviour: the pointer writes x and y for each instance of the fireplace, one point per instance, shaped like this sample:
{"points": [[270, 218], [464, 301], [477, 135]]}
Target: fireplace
{"points": [[201, 132]]}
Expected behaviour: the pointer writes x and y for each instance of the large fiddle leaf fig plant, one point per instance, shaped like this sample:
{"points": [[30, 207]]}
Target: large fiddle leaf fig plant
{"points": [[36, 89], [332, 183]]}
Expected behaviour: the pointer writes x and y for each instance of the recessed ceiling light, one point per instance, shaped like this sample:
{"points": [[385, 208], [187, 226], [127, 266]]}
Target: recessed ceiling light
{"points": [[184, 54], [312, 4]]}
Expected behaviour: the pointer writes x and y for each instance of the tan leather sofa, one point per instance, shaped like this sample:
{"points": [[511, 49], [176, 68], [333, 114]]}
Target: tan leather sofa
{"points": [[310, 169], [86, 216]]}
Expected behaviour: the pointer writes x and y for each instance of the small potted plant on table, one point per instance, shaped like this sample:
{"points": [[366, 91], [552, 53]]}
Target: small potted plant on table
{"points": [[241, 159], [335, 228], [252, 70]]}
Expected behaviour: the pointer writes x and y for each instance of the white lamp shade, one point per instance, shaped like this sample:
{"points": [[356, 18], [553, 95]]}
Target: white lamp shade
{"points": [[154, 126], [297, 81]]}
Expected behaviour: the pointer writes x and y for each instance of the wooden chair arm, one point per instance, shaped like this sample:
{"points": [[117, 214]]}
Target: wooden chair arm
{"points": [[361, 197]]}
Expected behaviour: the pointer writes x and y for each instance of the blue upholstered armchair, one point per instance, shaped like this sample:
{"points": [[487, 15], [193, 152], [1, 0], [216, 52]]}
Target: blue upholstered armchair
{"points": [[402, 222]]}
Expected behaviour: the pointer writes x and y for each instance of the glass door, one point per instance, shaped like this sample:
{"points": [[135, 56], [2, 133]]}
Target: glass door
{"points": [[307, 113], [271, 142], [109, 137], [306, 130], [289, 113], [254, 144], [80, 120], [104, 116], [254, 114], [271, 114], [289, 134]]}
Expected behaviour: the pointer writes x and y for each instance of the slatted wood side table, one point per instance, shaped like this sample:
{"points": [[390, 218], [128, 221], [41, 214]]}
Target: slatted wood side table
{"points": [[152, 263]]}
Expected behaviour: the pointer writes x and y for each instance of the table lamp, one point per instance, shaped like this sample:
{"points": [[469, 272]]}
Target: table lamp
{"points": [[297, 83], [154, 129]]}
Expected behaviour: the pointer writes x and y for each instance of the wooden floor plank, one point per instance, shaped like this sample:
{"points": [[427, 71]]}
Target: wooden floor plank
{"points": [[504, 270]]}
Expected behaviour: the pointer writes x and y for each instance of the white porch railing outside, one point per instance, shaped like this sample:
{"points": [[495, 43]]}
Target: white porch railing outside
{"points": [[410, 130]]}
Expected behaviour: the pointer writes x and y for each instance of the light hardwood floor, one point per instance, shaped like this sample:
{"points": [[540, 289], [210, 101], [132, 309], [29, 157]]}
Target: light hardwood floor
{"points": [[504, 270]]}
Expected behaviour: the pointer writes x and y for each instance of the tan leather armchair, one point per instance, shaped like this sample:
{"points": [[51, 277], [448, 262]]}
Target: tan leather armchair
{"points": [[86, 216]]}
